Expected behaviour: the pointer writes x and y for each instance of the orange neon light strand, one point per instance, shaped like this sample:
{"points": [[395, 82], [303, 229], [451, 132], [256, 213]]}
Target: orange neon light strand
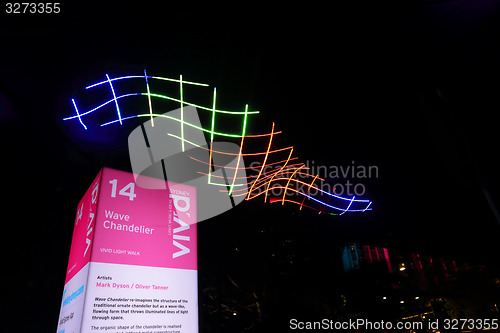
{"points": [[265, 160], [263, 182], [268, 183], [288, 182], [232, 154], [267, 189], [308, 189], [245, 168]]}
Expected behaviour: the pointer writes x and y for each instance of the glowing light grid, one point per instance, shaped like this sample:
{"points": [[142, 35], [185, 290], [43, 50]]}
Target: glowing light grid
{"points": [[281, 176]]}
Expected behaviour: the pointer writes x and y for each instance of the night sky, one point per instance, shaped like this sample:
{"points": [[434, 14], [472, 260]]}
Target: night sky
{"points": [[411, 89]]}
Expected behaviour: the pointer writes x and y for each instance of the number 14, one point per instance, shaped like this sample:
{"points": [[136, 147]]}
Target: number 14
{"points": [[127, 191]]}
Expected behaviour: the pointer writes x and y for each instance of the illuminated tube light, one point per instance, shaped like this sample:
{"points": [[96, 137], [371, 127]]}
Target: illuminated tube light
{"points": [[295, 202], [268, 184], [308, 189], [182, 112], [342, 198], [186, 123], [202, 107], [114, 121], [114, 98], [225, 153], [258, 184], [351, 200], [100, 106], [264, 163], [116, 78], [369, 204], [350, 203], [212, 136], [149, 100], [337, 208], [78, 114], [241, 147], [164, 97], [197, 127], [222, 177], [287, 183], [263, 182], [326, 202], [230, 167], [142, 77], [296, 171], [186, 82]]}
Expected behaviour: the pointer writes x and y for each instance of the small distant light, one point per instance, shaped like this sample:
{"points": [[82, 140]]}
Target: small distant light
{"points": [[402, 302], [234, 313], [402, 268], [416, 297], [384, 297]]}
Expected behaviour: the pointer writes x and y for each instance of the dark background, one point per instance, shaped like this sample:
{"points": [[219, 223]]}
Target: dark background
{"points": [[412, 89]]}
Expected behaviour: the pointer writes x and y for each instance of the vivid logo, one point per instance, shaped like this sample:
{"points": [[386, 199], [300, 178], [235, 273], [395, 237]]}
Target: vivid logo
{"points": [[182, 205]]}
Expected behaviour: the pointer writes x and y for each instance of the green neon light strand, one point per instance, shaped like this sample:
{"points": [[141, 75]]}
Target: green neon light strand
{"points": [[241, 147], [199, 106], [185, 82], [182, 114], [149, 100], [141, 77], [189, 124], [212, 136], [199, 146]]}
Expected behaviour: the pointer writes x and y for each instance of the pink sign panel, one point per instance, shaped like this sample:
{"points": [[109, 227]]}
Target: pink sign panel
{"points": [[132, 243], [81, 244], [138, 226]]}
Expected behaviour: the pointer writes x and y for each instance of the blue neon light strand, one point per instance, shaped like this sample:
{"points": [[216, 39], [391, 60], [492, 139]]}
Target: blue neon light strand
{"points": [[78, 114], [342, 198], [116, 120], [337, 208], [350, 203], [116, 101], [115, 79], [103, 104]]}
